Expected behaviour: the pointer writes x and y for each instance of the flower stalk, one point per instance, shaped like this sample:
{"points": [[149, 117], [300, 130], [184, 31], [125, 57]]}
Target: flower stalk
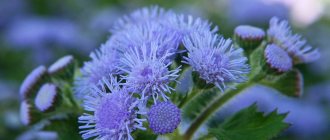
{"points": [[213, 107]]}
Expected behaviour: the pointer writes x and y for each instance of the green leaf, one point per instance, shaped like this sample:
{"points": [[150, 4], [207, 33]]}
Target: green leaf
{"points": [[258, 63], [144, 135], [249, 124], [290, 83]]}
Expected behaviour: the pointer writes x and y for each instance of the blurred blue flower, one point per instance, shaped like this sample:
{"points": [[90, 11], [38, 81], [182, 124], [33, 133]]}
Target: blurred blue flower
{"points": [[111, 115], [39, 32], [25, 113], [280, 33], [46, 97], [254, 11], [38, 135], [215, 59], [148, 74]]}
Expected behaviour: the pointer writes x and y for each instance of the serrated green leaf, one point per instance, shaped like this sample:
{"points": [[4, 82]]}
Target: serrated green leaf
{"points": [[290, 84], [249, 124]]}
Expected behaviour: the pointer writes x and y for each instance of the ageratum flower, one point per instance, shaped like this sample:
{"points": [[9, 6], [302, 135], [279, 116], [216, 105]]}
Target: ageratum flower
{"points": [[103, 63], [277, 58], [164, 117], [146, 34], [146, 73], [280, 34], [215, 59], [140, 17], [111, 115], [183, 25]]}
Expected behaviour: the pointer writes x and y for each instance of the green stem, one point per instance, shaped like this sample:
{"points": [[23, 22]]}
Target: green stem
{"points": [[217, 103], [193, 92]]}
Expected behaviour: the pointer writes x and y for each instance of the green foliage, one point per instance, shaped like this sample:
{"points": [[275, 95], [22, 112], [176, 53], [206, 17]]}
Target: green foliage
{"points": [[199, 103], [290, 83], [145, 135], [67, 129], [249, 124], [258, 63]]}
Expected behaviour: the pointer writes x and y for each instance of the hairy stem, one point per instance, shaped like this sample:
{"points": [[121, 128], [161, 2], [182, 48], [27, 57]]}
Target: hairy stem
{"points": [[193, 92], [213, 107]]}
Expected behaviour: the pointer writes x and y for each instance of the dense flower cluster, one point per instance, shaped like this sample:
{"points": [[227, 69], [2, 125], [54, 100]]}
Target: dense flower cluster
{"points": [[141, 53], [215, 59], [129, 81]]}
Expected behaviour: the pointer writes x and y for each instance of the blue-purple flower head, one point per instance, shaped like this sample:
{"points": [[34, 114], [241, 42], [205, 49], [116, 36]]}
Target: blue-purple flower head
{"points": [[164, 117], [215, 59], [183, 25], [280, 34], [111, 115], [277, 58], [146, 34], [154, 24], [140, 17], [103, 63], [148, 74]]}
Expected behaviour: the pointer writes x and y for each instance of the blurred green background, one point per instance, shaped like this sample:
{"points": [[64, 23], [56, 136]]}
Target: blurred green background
{"points": [[35, 32]]}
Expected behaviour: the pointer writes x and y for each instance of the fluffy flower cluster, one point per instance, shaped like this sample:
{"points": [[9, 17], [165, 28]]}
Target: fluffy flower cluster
{"points": [[114, 114], [140, 53], [215, 59]]}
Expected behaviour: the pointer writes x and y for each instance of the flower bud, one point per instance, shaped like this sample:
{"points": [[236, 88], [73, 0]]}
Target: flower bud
{"points": [[248, 37], [164, 117], [63, 67], [27, 114], [47, 97], [33, 81], [277, 59]]}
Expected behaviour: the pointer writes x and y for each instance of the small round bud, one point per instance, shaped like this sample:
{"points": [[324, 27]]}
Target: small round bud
{"points": [[62, 67], [164, 117], [277, 58], [27, 114], [46, 97], [249, 37], [32, 82]]}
